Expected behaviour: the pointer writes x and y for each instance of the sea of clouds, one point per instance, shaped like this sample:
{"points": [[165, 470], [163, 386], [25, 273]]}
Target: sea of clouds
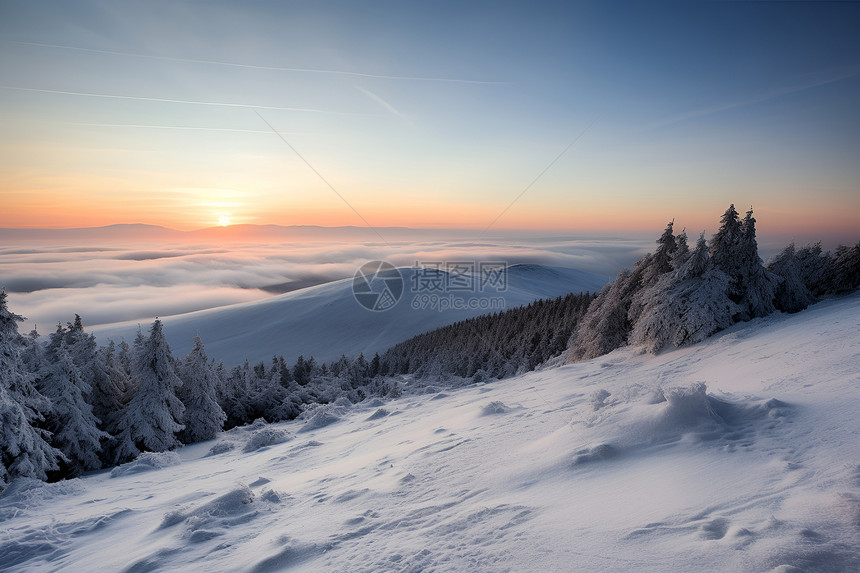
{"points": [[51, 282]]}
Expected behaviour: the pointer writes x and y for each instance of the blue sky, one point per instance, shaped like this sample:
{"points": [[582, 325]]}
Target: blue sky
{"points": [[431, 113]]}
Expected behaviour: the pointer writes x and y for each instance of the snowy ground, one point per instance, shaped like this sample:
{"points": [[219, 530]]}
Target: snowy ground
{"points": [[622, 463]]}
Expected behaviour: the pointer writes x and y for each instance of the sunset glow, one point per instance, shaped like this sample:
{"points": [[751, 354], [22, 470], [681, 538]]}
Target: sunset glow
{"points": [[574, 117]]}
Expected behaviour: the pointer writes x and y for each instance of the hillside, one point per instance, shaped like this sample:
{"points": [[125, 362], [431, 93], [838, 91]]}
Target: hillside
{"points": [[741, 453], [325, 321]]}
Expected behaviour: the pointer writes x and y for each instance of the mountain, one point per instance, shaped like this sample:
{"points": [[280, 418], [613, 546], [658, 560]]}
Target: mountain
{"points": [[123, 233], [325, 321], [737, 454]]}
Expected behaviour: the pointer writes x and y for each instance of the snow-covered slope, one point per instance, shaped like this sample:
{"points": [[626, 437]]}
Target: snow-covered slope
{"points": [[325, 321], [739, 454]]}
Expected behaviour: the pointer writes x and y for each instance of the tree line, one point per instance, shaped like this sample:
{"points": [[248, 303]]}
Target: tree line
{"points": [[677, 295]]}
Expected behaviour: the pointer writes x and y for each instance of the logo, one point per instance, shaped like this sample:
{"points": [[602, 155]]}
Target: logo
{"points": [[377, 285]]}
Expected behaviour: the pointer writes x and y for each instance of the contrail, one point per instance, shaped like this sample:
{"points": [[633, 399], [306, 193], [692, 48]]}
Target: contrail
{"points": [[168, 100], [180, 127], [259, 67], [539, 175], [320, 175], [381, 102], [759, 98]]}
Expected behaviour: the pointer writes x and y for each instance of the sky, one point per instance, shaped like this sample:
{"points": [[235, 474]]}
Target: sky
{"points": [[578, 116]]}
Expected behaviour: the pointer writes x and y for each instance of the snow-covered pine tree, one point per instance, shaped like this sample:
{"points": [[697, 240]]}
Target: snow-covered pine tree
{"points": [[606, 325], [75, 428], [203, 415], [725, 244], [24, 448], [124, 356], [686, 306], [845, 270], [661, 260], [734, 250], [152, 418], [682, 251], [237, 395], [814, 267], [791, 294], [659, 265], [757, 285], [99, 369]]}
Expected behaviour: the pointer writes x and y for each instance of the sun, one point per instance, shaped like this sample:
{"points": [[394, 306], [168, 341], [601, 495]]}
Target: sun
{"points": [[223, 220]]}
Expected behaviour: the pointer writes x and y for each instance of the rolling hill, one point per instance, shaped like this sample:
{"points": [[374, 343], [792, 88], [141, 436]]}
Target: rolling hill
{"points": [[325, 321]]}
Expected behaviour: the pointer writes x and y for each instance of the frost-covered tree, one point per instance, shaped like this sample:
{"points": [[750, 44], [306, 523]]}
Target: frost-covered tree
{"points": [[75, 428], [606, 325], [661, 260], [756, 286], [814, 267], [682, 251], [110, 385], [152, 418], [267, 395], [24, 448], [686, 306], [845, 269], [792, 295], [203, 415], [237, 395], [725, 244], [734, 250], [660, 263]]}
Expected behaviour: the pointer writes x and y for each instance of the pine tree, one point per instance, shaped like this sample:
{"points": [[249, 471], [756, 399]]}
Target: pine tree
{"points": [[607, 324], [236, 400], [792, 295], [845, 269], [203, 415], [757, 285], [684, 307], [814, 268], [682, 251], [734, 250], [661, 260], [24, 448], [152, 418], [75, 428], [725, 244]]}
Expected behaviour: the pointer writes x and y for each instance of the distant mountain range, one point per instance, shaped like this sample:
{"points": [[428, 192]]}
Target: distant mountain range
{"points": [[325, 321], [137, 232]]}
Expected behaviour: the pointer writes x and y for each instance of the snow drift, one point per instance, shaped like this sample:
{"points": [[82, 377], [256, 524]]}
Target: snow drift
{"points": [[738, 454]]}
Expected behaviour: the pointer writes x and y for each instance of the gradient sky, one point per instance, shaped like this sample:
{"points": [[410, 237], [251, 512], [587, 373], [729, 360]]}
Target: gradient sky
{"points": [[431, 114]]}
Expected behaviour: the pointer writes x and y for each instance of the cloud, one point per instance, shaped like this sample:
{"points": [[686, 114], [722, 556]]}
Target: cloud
{"points": [[49, 284]]}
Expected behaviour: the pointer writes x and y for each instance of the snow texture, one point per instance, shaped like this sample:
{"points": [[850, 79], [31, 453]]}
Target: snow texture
{"points": [[741, 453]]}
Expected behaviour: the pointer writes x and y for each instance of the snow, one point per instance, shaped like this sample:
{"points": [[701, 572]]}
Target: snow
{"points": [[741, 453], [325, 321]]}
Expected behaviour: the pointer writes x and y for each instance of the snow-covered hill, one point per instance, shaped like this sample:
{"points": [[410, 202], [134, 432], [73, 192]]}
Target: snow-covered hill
{"points": [[739, 454], [325, 321]]}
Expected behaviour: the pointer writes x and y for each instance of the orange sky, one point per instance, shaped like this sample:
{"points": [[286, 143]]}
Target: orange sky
{"points": [[563, 118]]}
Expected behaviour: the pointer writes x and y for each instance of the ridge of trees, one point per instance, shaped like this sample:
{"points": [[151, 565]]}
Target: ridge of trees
{"points": [[677, 296]]}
